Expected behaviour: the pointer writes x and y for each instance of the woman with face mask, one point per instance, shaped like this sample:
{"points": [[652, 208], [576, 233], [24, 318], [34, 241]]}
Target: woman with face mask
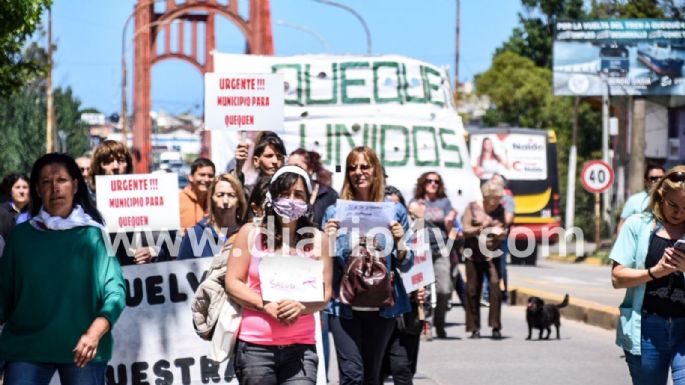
{"points": [[276, 339], [227, 206]]}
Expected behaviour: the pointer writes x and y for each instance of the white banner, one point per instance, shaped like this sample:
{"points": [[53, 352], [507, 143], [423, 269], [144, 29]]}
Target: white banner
{"points": [[516, 156], [400, 107], [139, 201], [243, 102]]}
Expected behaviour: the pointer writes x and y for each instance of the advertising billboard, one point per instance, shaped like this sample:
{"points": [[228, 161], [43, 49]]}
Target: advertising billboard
{"points": [[630, 56]]}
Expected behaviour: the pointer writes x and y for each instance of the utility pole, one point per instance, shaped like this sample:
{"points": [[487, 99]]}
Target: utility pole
{"points": [[572, 161], [636, 166], [49, 142], [456, 64]]}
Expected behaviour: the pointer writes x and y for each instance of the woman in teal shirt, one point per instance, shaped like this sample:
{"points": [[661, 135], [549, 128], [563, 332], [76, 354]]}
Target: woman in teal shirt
{"points": [[60, 291], [651, 328]]}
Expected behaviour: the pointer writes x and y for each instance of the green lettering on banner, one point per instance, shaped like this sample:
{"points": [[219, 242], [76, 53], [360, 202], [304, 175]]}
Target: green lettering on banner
{"points": [[405, 86], [430, 87], [376, 96], [419, 162], [308, 91], [450, 147], [352, 82], [405, 132], [340, 131], [298, 68]]}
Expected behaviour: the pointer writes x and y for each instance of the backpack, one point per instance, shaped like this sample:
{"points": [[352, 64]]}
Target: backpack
{"points": [[366, 281]]}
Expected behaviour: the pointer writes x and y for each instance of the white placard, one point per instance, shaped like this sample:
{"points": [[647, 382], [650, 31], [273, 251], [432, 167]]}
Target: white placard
{"points": [[244, 102], [364, 216], [139, 201], [291, 277], [421, 273]]}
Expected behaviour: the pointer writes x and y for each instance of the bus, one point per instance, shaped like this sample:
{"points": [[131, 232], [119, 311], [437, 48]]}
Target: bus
{"points": [[527, 158]]}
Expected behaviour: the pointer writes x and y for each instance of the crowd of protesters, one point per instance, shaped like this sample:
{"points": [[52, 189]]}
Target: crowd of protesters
{"points": [[54, 212]]}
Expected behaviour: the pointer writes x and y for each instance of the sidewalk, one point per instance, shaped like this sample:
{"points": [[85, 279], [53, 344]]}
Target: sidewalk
{"points": [[592, 299]]}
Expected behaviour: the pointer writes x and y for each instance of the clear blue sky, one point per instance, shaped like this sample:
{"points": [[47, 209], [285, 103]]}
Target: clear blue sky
{"points": [[88, 35]]}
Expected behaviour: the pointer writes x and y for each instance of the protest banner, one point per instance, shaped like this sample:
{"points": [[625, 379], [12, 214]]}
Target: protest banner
{"points": [[155, 340], [138, 201], [243, 102], [291, 277], [400, 107]]}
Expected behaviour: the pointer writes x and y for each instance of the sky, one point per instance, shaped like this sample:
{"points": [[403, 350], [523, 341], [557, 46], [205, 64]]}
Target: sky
{"points": [[88, 34]]}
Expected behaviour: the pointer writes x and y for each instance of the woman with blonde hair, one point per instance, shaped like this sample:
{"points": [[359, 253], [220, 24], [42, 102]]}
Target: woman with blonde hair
{"points": [[647, 262], [361, 334], [227, 207], [484, 229]]}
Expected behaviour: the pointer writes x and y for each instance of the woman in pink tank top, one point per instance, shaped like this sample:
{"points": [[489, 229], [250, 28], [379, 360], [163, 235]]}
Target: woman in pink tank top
{"points": [[276, 340]]}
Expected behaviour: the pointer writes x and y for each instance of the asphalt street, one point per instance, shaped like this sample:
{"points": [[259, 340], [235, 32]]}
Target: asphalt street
{"points": [[584, 355]]}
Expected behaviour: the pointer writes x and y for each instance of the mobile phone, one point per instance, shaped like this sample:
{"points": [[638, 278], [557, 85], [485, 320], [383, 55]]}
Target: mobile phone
{"points": [[680, 245]]}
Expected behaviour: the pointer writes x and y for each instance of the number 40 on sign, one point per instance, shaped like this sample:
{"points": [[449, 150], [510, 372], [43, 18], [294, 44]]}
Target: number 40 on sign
{"points": [[597, 176]]}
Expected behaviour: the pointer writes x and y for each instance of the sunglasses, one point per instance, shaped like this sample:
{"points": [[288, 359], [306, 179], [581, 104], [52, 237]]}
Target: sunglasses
{"points": [[363, 167], [432, 181], [678, 176], [84, 168], [653, 178]]}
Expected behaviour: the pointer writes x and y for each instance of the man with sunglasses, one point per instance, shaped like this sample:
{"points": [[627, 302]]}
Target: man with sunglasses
{"points": [[638, 202]]}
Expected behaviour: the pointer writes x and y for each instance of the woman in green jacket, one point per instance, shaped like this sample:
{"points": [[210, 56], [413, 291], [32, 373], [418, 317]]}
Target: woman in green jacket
{"points": [[60, 291]]}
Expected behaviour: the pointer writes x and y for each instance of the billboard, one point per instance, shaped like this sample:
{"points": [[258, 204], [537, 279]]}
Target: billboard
{"points": [[516, 156], [630, 56]]}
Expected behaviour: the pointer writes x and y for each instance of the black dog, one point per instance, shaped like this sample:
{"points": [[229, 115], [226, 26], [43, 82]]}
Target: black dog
{"points": [[541, 316]]}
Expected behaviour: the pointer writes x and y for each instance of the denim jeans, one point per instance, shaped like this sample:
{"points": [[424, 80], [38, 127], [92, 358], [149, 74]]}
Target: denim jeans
{"points": [[34, 373], [663, 347], [273, 365]]}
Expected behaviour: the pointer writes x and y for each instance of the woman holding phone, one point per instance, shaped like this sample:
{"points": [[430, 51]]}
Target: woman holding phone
{"points": [[651, 329]]}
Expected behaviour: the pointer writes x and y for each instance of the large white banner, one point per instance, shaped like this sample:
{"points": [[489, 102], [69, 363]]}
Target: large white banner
{"points": [[139, 201], [400, 107]]}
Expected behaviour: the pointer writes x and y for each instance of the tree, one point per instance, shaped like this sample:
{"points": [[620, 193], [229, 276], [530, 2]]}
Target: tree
{"points": [[534, 37], [22, 124], [19, 19], [635, 9]]}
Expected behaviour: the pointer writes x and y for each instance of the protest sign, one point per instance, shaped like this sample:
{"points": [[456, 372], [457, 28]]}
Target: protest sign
{"points": [[364, 216], [286, 277], [155, 340], [421, 273], [138, 201], [243, 102]]}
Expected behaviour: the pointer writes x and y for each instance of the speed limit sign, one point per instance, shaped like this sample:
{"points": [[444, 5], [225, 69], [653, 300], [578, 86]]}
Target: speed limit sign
{"points": [[597, 176]]}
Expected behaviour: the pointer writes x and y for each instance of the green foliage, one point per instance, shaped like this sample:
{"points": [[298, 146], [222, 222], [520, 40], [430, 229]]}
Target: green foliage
{"points": [[22, 126], [634, 9], [19, 19], [534, 37]]}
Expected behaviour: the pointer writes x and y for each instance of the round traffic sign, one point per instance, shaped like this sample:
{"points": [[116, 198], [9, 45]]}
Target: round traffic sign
{"points": [[597, 176]]}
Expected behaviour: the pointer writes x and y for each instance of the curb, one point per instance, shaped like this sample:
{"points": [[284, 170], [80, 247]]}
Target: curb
{"points": [[588, 312], [573, 259]]}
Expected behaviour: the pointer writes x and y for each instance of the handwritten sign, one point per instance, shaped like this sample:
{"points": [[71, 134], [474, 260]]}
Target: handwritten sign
{"points": [[244, 102], [364, 216], [421, 273], [138, 201], [286, 277]]}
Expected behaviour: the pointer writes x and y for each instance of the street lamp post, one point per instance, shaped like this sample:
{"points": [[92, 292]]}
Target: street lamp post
{"points": [[308, 30], [357, 15]]}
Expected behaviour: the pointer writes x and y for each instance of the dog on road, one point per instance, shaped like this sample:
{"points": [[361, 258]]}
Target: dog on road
{"points": [[541, 316]]}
